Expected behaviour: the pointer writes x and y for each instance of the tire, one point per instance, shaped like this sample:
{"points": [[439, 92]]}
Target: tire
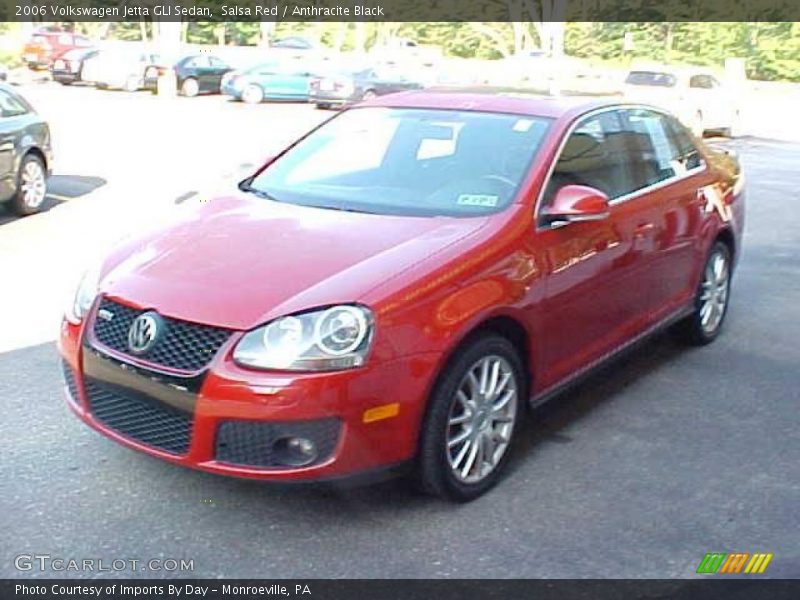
{"points": [[253, 94], [31, 186], [190, 88], [322, 106], [701, 328], [453, 438], [369, 95]]}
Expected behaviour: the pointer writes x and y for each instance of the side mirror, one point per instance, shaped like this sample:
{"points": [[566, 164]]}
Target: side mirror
{"points": [[576, 203]]}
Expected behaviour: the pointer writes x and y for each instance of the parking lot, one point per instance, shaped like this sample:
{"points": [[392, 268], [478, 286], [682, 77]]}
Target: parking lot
{"points": [[666, 455]]}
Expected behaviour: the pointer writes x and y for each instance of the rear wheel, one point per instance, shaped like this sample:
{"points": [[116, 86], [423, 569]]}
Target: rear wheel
{"points": [[253, 94], [190, 88], [369, 95], [31, 186], [711, 301], [471, 420]]}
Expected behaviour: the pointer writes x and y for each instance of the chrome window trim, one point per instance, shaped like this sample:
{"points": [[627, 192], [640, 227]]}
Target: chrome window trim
{"points": [[624, 198]]}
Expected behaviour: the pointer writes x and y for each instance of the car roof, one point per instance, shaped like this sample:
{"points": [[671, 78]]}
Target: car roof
{"points": [[500, 100]]}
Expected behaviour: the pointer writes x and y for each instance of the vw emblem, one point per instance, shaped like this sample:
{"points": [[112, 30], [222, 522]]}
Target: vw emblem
{"points": [[143, 332]]}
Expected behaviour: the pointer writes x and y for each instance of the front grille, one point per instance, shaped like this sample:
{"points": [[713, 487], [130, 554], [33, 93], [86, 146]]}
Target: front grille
{"points": [[251, 443], [70, 381], [184, 346], [139, 417]]}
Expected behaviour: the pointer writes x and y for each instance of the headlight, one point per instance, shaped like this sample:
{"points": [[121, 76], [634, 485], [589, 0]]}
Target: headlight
{"points": [[84, 296], [321, 340]]}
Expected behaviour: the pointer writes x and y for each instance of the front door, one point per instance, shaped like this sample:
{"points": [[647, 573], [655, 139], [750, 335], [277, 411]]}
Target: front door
{"points": [[593, 299]]}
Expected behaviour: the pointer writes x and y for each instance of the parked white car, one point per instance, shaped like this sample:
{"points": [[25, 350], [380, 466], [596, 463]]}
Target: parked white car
{"points": [[120, 68], [696, 96]]}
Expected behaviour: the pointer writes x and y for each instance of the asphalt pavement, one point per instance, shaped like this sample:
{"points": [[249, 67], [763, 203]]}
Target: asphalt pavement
{"points": [[667, 455]]}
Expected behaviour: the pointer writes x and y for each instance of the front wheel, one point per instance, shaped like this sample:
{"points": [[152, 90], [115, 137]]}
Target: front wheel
{"points": [[471, 420], [253, 94], [190, 88], [711, 301], [31, 186]]}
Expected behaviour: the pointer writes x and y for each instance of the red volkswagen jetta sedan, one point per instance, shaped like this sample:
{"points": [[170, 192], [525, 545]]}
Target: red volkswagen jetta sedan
{"points": [[397, 286]]}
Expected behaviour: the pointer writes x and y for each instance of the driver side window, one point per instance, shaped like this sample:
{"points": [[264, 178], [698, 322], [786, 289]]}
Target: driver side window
{"points": [[593, 155]]}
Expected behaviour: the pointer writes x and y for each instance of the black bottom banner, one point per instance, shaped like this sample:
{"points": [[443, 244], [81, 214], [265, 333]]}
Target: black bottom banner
{"points": [[458, 589]]}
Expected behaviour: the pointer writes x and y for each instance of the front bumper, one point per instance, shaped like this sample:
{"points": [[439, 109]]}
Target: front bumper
{"points": [[228, 419]]}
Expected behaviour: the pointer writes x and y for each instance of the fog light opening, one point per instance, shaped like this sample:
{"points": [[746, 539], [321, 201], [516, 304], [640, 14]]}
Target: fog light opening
{"points": [[295, 451]]}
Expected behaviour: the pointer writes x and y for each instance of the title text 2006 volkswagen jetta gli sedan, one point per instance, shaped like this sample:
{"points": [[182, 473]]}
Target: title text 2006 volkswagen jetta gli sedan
{"points": [[397, 286]]}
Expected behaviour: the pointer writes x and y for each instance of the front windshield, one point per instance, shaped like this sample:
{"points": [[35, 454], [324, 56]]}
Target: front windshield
{"points": [[407, 162]]}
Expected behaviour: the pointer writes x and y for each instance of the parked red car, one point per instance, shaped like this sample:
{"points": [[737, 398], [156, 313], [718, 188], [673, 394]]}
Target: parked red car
{"points": [[46, 45], [400, 284]]}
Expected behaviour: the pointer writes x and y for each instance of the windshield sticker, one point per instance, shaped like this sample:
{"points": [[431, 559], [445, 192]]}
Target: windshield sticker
{"points": [[477, 200], [523, 125]]}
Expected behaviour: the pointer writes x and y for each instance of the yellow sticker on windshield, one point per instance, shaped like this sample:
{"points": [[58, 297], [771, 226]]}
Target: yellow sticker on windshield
{"points": [[478, 200]]}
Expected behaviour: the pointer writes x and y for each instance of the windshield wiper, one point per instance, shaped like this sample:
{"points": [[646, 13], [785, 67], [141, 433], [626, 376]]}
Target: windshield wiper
{"points": [[246, 186], [342, 208]]}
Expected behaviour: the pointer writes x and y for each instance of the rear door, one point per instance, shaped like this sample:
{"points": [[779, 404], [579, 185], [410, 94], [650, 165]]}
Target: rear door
{"points": [[664, 187]]}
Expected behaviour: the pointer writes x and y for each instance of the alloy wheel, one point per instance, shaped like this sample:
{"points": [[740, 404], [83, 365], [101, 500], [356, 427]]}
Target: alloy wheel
{"points": [[481, 419], [714, 292], [33, 184]]}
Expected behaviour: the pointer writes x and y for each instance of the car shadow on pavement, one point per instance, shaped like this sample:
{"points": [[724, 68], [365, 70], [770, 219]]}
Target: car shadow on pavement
{"points": [[544, 424], [60, 189]]}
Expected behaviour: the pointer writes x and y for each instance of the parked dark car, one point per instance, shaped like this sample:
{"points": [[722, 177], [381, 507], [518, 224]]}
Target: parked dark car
{"points": [[195, 74], [350, 86], [25, 153], [68, 68]]}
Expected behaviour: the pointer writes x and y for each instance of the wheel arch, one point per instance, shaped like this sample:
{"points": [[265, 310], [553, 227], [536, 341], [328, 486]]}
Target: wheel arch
{"points": [[37, 152], [505, 325], [726, 236]]}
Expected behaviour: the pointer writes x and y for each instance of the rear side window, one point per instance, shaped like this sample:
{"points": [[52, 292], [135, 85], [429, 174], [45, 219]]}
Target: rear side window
{"points": [[655, 149], [11, 106], [653, 155], [690, 156]]}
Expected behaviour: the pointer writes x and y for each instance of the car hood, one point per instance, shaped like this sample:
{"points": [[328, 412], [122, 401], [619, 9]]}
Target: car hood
{"points": [[238, 262]]}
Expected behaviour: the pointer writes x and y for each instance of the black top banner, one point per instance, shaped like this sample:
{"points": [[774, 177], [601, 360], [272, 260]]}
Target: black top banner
{"points": [[401, 10], [327, 589]]}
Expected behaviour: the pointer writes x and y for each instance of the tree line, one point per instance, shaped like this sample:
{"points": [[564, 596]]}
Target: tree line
{"points": [[771, 50]]}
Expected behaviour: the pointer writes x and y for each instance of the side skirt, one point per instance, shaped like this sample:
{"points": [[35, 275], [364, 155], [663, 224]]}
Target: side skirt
{"points": [[587, 370]]}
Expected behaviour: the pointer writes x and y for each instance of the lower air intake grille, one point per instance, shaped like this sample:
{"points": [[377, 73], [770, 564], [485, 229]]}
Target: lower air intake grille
{"points": [[140, 418], [70, 381], [251, 443]]}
